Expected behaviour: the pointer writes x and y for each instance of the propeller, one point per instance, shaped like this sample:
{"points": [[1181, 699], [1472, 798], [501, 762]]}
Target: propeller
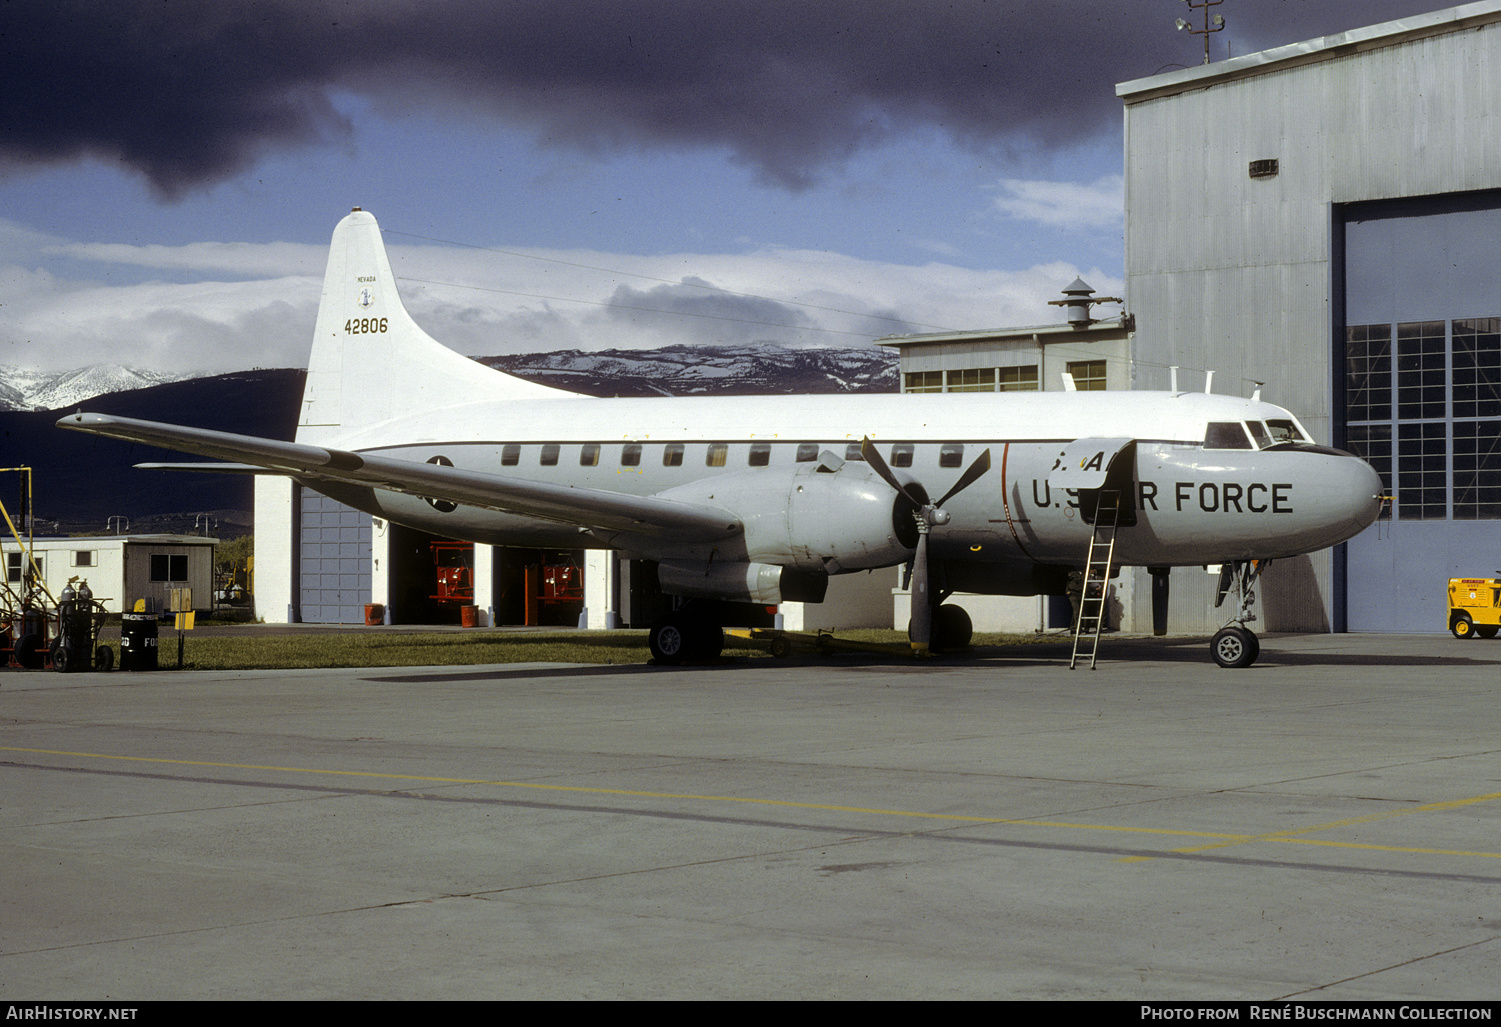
{"points": [[927, 515]]}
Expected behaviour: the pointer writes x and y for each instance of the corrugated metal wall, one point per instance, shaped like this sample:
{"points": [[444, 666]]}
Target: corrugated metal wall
{"points": [[1235, 274]]}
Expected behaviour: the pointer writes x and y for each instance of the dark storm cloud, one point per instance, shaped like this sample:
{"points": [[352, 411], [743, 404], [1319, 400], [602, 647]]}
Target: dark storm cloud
{"points": [[191, 94]]}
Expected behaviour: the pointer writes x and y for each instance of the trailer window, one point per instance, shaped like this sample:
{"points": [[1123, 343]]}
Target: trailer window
{"points": [[169, 567]]}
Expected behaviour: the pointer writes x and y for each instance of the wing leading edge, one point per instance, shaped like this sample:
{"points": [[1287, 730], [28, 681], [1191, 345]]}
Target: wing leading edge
{"points": [[586, 508]]}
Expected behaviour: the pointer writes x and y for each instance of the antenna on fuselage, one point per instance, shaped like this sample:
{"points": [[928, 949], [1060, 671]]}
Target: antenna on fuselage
{"points": [[1208, 381]]}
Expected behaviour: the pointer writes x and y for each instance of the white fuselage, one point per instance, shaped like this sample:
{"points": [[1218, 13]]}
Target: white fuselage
{"points": [[1190, 504]]}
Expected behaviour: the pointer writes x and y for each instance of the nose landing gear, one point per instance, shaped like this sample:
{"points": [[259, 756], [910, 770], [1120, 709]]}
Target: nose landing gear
{"points": [[1236, 645]]}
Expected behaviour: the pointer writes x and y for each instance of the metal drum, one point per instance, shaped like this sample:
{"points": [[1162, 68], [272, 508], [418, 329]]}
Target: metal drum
{"points": [[138, 641]]}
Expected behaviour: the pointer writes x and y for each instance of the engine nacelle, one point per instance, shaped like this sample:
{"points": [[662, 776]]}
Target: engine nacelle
{"points": [[828, 516], [742, 582]]}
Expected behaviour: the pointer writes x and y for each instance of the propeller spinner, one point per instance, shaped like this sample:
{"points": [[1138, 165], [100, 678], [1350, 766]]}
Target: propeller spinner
{"points": [[927, 516]]}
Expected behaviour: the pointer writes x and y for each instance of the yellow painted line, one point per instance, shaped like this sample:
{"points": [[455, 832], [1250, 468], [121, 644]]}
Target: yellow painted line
{"points": [[1292, 836], [1221, 839]]}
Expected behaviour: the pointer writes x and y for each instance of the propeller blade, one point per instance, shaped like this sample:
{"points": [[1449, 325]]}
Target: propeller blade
{"points": [[873, 457], [920, 634], [968, 478]]}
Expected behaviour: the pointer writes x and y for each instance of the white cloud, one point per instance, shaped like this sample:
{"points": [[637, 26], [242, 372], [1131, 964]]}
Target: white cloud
{"points": [[490, 301], [1101, 204]]}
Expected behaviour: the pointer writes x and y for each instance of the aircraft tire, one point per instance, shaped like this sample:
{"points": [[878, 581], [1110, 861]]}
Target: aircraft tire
{"points": [[668, 641], [1235, 647], [952, 627], [1463, 626]]}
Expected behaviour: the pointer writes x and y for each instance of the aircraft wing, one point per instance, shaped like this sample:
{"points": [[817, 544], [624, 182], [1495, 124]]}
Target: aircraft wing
{"points": [[587, 508]]}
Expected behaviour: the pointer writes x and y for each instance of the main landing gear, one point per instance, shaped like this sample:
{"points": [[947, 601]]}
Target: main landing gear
{"points": [[1236, 645], [685, 636]]}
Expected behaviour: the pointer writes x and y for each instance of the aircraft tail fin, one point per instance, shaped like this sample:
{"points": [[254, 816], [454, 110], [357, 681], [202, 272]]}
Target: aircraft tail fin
{"points": [[370, 361]]}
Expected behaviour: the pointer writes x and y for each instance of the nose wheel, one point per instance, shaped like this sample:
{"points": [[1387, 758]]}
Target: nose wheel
{"points": [[1235, 646]]}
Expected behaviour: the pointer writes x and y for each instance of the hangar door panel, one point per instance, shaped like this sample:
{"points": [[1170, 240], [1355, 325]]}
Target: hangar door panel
{"points": [[1422, 402], [334, 560]]}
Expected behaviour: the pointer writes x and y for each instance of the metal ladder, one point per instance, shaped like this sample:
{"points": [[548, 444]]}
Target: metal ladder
{"points": [[1096, 578]]}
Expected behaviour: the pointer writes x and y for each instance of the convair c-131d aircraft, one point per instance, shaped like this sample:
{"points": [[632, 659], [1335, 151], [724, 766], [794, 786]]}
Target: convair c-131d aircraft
{"points": [[759, 500]]}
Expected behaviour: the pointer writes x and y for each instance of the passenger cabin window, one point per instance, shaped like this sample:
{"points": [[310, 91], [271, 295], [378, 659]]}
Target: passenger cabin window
{"points": [[672, 454], [760, 454], [1226, 435], [510, 455], [852, 452], [901, 454], [550, 454], [1259, 434], [807, 452], [718, 455], [589, 455], [630, 455], [951, 454]]}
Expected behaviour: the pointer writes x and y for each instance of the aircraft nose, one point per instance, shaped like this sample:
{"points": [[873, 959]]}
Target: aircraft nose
{"points": [[1358, 489]]}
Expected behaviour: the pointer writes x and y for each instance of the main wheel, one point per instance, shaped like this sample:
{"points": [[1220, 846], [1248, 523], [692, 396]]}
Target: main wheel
{"points": [[1235, 647], [668, 641], [1487, 630], [952, 628], [1463, 627]]}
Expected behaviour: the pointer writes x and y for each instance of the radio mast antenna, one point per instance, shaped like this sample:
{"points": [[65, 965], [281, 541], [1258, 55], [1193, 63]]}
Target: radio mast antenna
{"points": [[1210, 25]]}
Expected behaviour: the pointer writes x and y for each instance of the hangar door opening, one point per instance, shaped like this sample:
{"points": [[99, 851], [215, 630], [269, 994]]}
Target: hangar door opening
{"points": [[1419, 343], [333, 560]]}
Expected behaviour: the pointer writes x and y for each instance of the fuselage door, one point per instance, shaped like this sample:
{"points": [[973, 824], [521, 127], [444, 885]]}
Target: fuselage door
{"points": [[1085, 466], [1085, 463]]}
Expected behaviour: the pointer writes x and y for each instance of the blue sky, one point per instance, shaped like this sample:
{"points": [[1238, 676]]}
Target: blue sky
{"points": [[171, 173]]}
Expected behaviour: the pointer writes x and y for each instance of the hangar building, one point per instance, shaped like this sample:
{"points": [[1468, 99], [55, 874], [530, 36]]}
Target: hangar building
{"points": [[1323, 218]]}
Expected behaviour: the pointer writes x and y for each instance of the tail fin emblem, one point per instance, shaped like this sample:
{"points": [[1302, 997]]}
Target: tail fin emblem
{"points": [[367, 296]]}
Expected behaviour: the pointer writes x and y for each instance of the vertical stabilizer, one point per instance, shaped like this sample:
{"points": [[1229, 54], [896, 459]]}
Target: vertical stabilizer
{"points": [[371, 362]]}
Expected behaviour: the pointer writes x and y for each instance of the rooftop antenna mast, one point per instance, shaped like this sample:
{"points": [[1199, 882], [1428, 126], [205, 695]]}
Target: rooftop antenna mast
{"points": [[1210, 25]]}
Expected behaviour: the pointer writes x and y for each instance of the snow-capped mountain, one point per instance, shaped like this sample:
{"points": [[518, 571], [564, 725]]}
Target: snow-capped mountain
{"points": [[673, 371], [26, 388], [721, 370]]}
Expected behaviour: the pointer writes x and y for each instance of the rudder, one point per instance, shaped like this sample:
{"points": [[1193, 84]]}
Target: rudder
{"points": [[370, 362]]}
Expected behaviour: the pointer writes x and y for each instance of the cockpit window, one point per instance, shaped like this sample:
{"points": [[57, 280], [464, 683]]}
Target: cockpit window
{"points": [[1258, 434], [1226, 435], [1284, 430]]}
